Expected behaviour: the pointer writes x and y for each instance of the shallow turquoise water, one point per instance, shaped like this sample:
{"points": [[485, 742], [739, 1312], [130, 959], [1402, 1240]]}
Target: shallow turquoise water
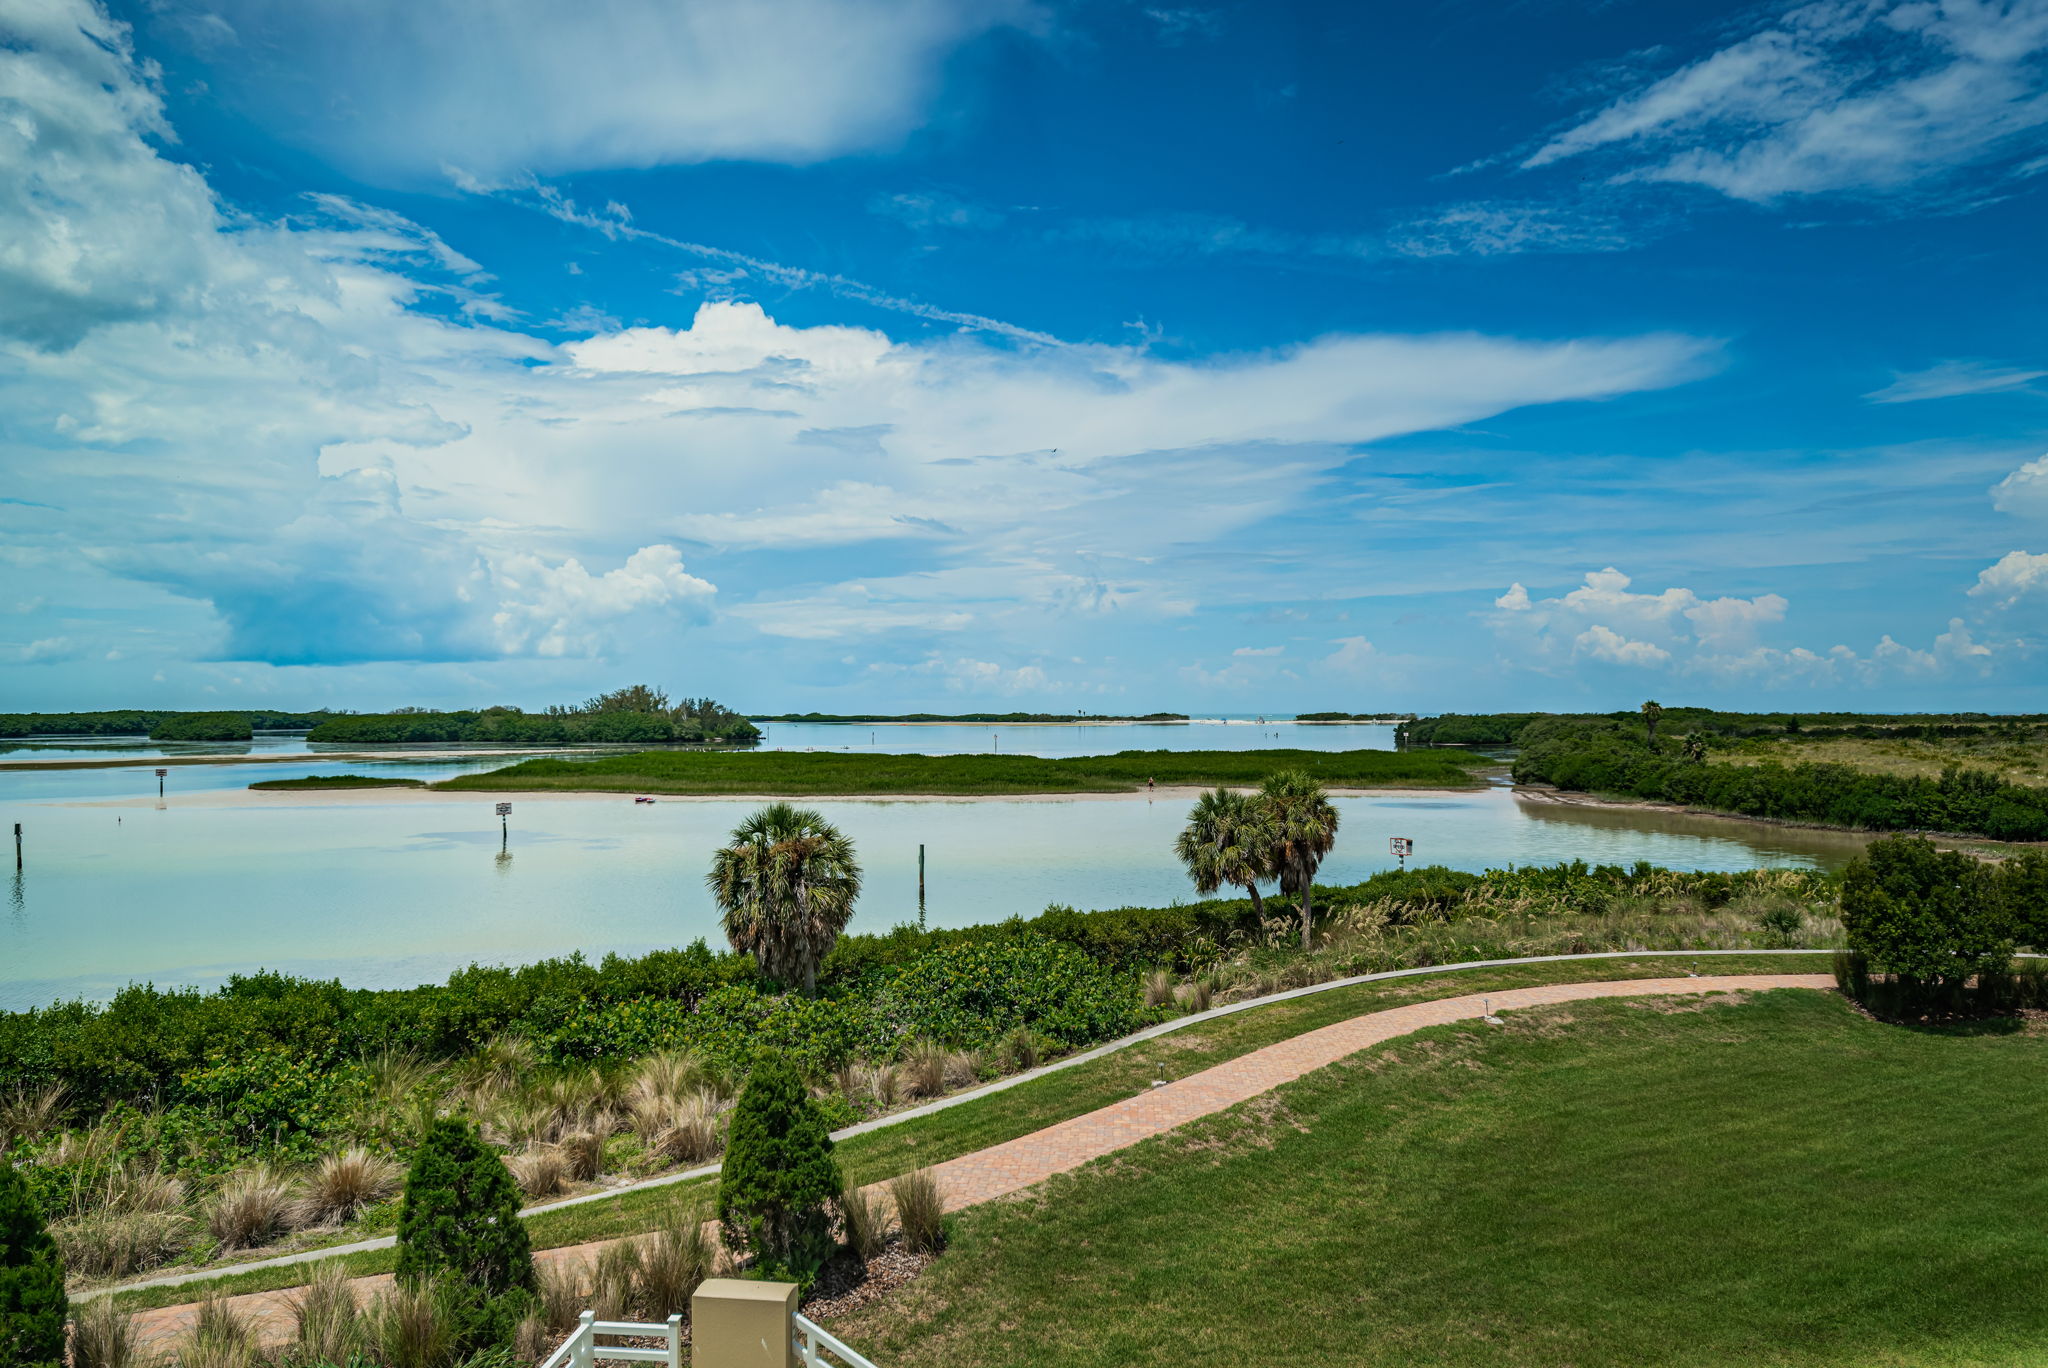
{"points": [[386, 893]]}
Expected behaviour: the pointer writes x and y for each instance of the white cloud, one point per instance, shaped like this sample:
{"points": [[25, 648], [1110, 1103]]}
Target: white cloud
{"points": [[2025, 491], [556, 610], [1836, 96], [1259, 651], [265, 431], [2017, 576], [392, 90], [1949, 379], [1604, 643], [1680, 632]]}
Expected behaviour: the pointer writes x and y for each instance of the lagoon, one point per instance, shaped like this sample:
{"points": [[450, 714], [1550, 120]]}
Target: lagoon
{"points": [[385, 889]]}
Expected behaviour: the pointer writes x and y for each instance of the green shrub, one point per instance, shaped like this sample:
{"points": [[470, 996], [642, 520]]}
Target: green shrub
{"points": [[460, 1226], [973, 995], [1929, 919], [32, 1302], [778, 1175]]}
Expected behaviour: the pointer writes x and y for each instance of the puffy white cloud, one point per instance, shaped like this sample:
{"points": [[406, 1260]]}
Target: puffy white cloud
{"points": [[1678, 631], [555, 610], [1950, 379], [392, 89], [1835, 96], [1601, 642], [2017, 576], [2025, 491]]}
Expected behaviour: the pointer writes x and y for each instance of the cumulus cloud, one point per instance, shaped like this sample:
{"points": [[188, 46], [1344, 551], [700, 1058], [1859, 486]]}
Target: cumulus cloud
{"points": [[1835, 96], [1680, 632], [391, 90], [2025, 491], [240, 396], [2018, 576], [1949, 379]]}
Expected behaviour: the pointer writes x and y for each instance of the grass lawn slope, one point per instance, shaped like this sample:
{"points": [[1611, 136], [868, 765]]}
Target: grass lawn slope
{"points": [[1771, 1180], [804, 773]]}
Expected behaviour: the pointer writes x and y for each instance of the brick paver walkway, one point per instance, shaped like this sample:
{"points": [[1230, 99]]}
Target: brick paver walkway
{"points": [[1030, 1159]]}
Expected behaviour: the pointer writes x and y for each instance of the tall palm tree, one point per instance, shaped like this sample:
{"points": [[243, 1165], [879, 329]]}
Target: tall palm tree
{"points": [[1653, 713], [786, 884], [1227, 841], [1304, 827]]}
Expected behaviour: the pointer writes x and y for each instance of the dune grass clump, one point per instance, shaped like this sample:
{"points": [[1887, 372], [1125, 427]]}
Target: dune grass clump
{"points": [[920, 1211]]}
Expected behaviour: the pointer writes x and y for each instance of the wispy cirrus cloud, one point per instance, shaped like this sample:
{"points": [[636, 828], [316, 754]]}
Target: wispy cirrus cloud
{"points": [[1951, 379], [1835, 97]]}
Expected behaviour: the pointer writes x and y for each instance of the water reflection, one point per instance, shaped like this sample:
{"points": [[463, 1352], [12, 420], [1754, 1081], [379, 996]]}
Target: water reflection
{"points": [[391, 893], [1772, 844]]}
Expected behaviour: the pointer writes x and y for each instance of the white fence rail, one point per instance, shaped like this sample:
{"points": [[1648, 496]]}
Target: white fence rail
{"points": [[813, 1342], [815, 1346], [581, 1349]]}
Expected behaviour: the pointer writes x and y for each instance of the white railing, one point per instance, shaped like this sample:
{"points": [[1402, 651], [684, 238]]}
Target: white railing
{"points": [[581, 1349], [813, 1342]]}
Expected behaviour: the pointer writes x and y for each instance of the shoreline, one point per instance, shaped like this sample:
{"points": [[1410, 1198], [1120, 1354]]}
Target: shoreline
{"points": [[230, 798], [1562, 798]]}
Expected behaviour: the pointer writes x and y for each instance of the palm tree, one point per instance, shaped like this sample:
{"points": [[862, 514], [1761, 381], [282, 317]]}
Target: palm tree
{"points": [[1227, 841], [1304, 827], [1653, 713], [786, 885]]}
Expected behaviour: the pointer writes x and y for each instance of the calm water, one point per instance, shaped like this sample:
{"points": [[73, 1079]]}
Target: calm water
{"points": [[393, 892]]}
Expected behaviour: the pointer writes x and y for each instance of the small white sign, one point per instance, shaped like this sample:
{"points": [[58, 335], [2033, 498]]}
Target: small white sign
{"points": [[161, 773], [1401, 845], [504, 809]]}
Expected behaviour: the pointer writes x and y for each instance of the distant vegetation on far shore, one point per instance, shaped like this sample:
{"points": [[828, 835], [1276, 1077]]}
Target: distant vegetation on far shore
{"points": [[1949, 773], [339, 781], [807, 773], [623, 716], [1012, 718], [151, 722]]}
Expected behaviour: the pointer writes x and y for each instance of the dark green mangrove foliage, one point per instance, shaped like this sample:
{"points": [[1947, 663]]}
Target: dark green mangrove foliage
{"points": [[1617, 760]]}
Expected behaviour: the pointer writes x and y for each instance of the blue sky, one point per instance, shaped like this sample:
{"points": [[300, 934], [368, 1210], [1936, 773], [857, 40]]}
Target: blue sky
{"points": [[852, 356]]}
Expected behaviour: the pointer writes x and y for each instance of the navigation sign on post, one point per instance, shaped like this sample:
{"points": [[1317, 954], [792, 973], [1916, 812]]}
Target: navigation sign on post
{"points": [[1402, 848], [504, 809], [160, 782]]}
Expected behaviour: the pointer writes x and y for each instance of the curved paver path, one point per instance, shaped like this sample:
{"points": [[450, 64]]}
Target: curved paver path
{"points": [[1030, 1159]]}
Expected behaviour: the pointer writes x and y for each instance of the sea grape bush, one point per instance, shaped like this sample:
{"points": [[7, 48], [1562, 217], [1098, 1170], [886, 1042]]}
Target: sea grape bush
{"points": [[974, 994]]}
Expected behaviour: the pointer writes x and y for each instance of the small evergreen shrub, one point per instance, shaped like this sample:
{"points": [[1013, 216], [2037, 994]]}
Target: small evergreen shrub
{"points": [[460, 1228], [778, 1175], [32, 1301]]}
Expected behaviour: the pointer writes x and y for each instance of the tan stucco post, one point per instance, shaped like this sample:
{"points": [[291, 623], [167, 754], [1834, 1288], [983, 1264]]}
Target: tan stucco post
{"points": [[738, 1323]]}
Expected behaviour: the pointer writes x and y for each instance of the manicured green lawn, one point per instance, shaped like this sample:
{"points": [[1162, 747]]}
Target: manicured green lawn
{"points": [[1034, 1105], [800, 773], [1770, 1181]]}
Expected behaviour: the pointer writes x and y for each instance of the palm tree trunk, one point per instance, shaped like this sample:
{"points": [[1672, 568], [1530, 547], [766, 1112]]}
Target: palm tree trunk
{"points": [[1307, 913], [1258, 903]]}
